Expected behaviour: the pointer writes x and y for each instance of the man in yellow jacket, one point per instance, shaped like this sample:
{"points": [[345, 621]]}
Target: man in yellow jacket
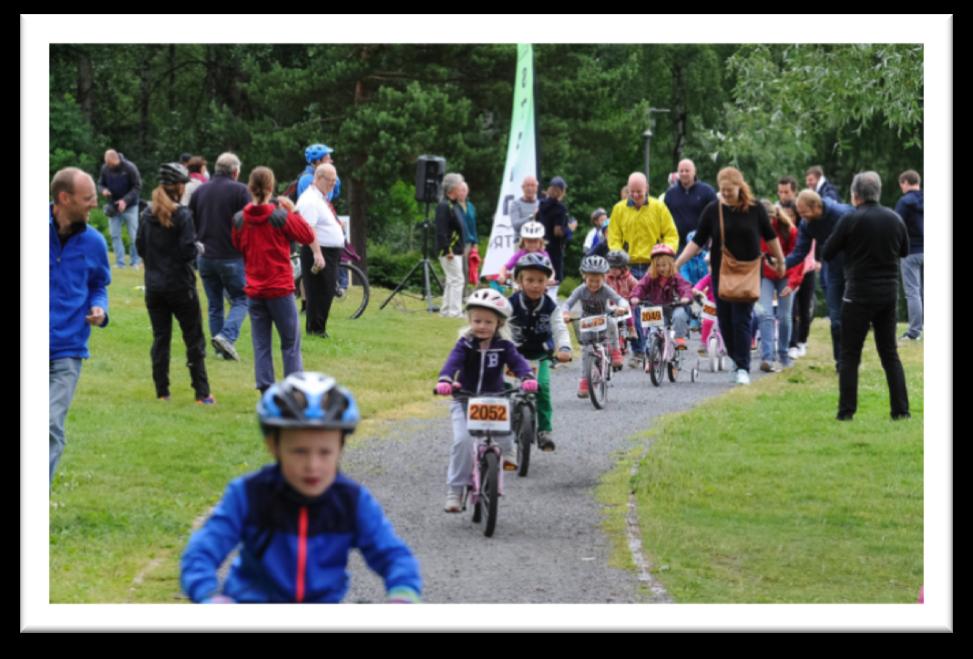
{"points": [[642, 222]]}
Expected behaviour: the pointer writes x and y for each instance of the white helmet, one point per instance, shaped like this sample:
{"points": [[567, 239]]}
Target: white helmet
{"points": [[492, 300], [532, 230]]}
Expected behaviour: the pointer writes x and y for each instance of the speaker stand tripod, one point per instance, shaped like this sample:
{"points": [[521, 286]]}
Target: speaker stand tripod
{"points": [[427, 272]]}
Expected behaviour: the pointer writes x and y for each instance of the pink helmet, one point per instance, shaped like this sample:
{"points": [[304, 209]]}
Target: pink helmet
{"points": [[663, 250]]}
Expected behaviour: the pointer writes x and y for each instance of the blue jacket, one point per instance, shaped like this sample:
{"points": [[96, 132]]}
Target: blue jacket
{"points": [[280, 529], [687, 205], [308, 178], [820, 230], [80, 276], [124, 183], [910, 209]]}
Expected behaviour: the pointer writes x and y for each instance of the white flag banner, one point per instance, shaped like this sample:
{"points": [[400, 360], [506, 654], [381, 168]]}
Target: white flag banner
{"points": [[521, 163]]}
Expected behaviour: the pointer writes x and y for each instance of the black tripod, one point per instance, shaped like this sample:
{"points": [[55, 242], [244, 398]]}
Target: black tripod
{"points": [[427, 271]]}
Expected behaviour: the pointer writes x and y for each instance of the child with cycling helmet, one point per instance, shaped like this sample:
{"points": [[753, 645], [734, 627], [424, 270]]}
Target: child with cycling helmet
{"points": [[662, 284], [477, 364], [531, 242], [299, 518], [623, 282], [595, 296], [535, 324]]}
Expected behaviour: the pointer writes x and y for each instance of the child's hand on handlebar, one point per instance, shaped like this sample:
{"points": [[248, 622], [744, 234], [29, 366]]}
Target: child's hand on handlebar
{"points": [[444, 389], [563, 356], [529, 386], [620, 311]]}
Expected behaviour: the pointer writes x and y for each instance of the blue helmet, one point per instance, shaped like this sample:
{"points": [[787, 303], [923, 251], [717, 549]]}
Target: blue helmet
{"points": [[316, 151], [307, 400]]}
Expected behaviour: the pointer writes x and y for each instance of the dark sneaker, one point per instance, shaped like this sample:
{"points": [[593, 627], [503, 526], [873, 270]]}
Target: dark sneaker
{"points": [[544, 441], [209, 400]]}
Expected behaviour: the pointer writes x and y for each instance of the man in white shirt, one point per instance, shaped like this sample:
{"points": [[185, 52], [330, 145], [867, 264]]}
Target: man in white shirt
{"points": [[320, 285]]}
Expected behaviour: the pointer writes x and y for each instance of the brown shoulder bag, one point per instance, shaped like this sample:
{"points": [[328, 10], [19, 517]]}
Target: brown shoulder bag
{"points": [[739, 280]]}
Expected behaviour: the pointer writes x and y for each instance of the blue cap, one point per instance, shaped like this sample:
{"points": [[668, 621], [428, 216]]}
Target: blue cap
{"points": [[558, 182]]}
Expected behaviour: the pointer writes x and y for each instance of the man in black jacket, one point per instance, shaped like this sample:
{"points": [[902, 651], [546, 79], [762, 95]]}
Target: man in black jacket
{"points": [[873, 239], [121, 184], [553, 214]]}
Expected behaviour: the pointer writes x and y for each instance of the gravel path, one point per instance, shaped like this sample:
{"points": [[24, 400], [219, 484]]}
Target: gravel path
{"points": [[549, 545]]}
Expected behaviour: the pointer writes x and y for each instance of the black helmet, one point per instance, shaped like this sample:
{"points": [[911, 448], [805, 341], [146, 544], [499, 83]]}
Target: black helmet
{"points": [[534, 261], [173, 173], [617, 258]]}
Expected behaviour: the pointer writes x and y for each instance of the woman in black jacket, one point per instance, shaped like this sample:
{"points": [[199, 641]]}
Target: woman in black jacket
{"points": [[167, 243]]}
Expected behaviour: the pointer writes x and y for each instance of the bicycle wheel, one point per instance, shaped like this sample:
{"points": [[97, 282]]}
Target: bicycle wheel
{"points": [[352, 300], [656, 363], [526, 435], [597, 386], [673, 368], [490, 490]]}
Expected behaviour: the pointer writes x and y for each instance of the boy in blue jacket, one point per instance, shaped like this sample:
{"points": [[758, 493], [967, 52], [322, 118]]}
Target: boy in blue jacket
{"points": [[298, 519]]}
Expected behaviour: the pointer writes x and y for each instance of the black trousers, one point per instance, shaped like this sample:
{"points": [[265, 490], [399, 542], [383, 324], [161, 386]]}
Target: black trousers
{"points": [[856, 318], [184, 305], [803, 312], [319, 288], [736, 328]]}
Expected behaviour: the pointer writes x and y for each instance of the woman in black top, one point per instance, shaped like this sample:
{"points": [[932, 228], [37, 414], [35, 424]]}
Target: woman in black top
{"points": [[745, 222], [167, 243]]}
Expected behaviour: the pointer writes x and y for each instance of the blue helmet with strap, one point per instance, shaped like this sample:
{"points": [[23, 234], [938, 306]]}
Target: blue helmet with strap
{"points": [[307, 400], [316, 151]]}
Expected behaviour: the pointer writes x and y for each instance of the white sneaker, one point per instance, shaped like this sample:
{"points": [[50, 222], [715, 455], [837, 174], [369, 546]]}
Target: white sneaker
{"points": [[454, 502], [794, 353], [802, 349], [510, 461], [743, 377]]}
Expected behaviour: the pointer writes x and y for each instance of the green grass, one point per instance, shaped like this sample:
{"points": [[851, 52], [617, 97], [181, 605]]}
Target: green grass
{"points": [[760, 496], [137, 472]]}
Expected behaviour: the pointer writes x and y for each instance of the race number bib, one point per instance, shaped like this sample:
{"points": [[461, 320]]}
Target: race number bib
{"points": [[653, 317], [709, 310], [593, 324], [491, 414]]}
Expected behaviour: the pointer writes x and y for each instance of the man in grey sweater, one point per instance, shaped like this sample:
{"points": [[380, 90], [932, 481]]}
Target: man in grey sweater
{"points": [[523, 209]]}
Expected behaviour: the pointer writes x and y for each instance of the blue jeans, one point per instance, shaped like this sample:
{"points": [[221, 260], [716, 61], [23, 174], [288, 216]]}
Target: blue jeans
{"points": [[64, 375], [224, 277], [834, 293], [784, 306], [279, 312], [131, 219], [638, 271], [912, 276]]}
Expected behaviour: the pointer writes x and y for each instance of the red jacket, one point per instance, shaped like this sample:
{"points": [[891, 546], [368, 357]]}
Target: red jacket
{"points": [[788, 241], [263, 234]]}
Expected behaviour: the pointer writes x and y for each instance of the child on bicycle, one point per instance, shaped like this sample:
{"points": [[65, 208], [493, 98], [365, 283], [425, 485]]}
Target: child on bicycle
{"points": [[298, 519], [535, 324], [594, 296], [531, 242], [477, 364], [663, 285], [623, 282]]}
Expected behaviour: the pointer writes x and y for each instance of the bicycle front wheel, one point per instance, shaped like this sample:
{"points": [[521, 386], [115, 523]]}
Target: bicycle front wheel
{"points": [[526, 435], [490, 490], [350, 301], [656, 363], [597, 383]]}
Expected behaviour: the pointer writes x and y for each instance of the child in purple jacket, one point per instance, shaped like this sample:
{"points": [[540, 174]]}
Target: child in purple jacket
{"points": [[477, 364]]}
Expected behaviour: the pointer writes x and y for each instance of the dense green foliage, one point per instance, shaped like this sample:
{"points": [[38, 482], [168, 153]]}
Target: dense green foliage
{"points": [[770, 109]]}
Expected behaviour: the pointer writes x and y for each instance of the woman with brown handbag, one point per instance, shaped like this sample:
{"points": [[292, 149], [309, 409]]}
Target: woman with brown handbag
{"points": [[736, 222]]}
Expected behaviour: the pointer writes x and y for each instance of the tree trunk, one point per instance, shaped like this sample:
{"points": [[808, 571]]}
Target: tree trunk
{"points": [[358, 195], [145, 96], [86, 81], [172, 77]]}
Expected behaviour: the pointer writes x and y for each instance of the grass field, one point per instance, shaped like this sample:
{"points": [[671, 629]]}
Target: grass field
{"points": [[760, 496], [137, 472]]}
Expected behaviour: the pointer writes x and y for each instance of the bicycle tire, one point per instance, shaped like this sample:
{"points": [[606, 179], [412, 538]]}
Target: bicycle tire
{"points": [[596, 382], [673, 368], [656, 362], [355, 299], [526, 435], [490, 491]]}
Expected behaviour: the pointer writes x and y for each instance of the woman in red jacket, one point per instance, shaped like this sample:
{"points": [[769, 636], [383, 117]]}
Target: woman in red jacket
{"points": [[785, 226], [263, 232]]}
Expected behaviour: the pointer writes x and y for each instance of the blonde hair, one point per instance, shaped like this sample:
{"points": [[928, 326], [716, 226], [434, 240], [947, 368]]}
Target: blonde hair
{"points": [[261, 184], [503, 328], [165, 201], [660, 260], [734, 177]]}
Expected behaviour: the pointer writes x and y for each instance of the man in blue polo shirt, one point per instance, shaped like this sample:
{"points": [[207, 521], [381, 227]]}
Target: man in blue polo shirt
{"points": [[79, 281], [686, 199]]}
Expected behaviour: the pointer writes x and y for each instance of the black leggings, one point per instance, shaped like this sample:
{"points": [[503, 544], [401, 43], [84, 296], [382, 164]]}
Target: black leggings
{"points": [[184, 305], [803, 312]]}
